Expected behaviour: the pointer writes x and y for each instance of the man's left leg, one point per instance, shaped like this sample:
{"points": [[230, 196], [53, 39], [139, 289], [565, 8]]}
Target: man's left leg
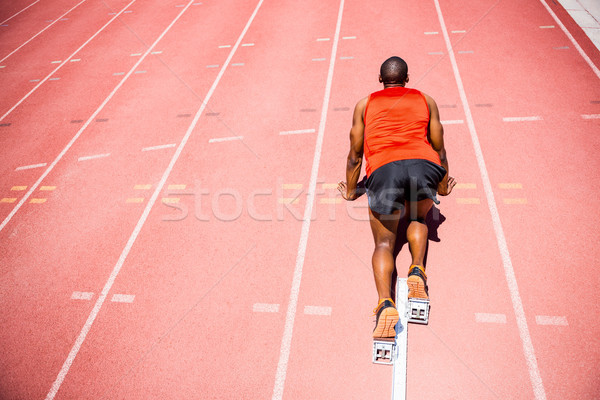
{"points": [[384, 229]]}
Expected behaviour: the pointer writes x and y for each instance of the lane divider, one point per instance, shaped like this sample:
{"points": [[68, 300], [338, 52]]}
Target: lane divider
{"points": [[490, 318], [265, 308], [572, 39], [82, 295], [511, 279], [286, 341], [14, 15], [522, 119], [122, 298], [141, 221], [317, 310], [64, 62], [41, 165], [94, 157], [551, 320], [297, 132], [42, 31]]}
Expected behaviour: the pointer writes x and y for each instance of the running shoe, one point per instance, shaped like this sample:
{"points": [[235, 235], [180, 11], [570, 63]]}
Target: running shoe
{"points": [[386, 318], [417, 283]]}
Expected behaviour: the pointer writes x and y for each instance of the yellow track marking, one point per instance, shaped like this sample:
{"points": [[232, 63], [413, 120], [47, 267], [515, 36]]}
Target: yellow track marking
{"points": [[510, 186], [289, 200], [468, 200], [515, 201]]}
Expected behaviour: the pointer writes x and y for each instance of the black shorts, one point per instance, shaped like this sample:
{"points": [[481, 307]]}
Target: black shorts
{"points": [[392, 184]]}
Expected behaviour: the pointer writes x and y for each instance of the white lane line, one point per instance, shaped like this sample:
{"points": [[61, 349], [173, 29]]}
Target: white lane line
{"points": [[75, 59], [453, 122], [325, 39], [140, 72], [248, 45], [347, 58], [431, 33], [56, 62], [400, 362], [80, 131], [160, 147], [317, 310], [266, 308], [31, 166], [156, 52], [349, 37], [590, 116], [490, 318], [118, 73], [466, 52], [435, 53], [82, 296], [237, 64], [122, 298], [459, 31], [115, 272], [225, 139], [43, 30], [225, 46], [286, 340], [9, 18], [572, 39], [297, 132], [511, 279], [135, 54], [85, 158], [318, 59], [547, 27], [213, 66], [551, 320], [63, 63], [561, 48], [521, 119]]}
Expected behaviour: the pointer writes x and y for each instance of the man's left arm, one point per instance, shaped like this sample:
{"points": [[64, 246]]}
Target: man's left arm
{"points": [[355, 155]]}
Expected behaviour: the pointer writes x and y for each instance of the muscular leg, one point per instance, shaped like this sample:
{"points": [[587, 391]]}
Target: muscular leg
{"points": [[417, 232], [384, 229]]}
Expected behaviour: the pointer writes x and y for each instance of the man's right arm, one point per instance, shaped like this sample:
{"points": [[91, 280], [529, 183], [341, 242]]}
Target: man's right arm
{"points": [[435, 135]]}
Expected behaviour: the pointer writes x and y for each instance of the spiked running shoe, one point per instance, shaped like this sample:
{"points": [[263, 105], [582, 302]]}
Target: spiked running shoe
{"points": [[417, 283], [386, 319]]}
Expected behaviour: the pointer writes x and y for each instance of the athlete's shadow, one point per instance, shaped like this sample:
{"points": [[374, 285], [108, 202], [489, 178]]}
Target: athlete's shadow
{"points": [[433, 220]]}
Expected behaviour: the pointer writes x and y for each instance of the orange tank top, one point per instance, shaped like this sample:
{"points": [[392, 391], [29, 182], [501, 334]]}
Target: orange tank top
{"points": [[396, 121]]}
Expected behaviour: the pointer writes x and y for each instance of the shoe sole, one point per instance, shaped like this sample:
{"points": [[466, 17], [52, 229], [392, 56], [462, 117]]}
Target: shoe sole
{"points": [[387, 323], [416, 288]]}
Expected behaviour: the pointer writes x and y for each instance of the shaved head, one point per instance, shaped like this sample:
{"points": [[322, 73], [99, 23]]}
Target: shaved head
{"points": [[394, 71]]}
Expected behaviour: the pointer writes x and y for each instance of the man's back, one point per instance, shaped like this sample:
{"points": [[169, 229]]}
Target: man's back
{"points": [[396, 121]]}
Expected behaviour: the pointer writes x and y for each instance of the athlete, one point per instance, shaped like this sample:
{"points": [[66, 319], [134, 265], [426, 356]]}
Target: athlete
{"points": [[400, 134]]}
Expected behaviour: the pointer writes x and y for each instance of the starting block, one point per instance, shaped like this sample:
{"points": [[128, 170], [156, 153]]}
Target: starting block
{"points": [[418, 311], [384, 351]]}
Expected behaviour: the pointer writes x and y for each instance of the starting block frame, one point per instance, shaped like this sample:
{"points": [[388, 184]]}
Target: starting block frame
{"points": [[418, 311]]}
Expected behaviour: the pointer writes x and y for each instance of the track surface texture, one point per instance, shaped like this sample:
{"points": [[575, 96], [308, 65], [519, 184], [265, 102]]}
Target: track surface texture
{"points": [[170, 227]]}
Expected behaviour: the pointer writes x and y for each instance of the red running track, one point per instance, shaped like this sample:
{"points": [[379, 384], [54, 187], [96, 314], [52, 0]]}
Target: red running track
{"points": [[170, 224]]}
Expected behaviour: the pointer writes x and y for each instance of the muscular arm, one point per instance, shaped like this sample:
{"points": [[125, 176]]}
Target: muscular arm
{"points": [[435, 135], [355, 155]]}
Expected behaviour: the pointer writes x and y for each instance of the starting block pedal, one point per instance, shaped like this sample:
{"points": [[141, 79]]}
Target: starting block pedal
{"points": [[384, 351], [418, 311]]}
